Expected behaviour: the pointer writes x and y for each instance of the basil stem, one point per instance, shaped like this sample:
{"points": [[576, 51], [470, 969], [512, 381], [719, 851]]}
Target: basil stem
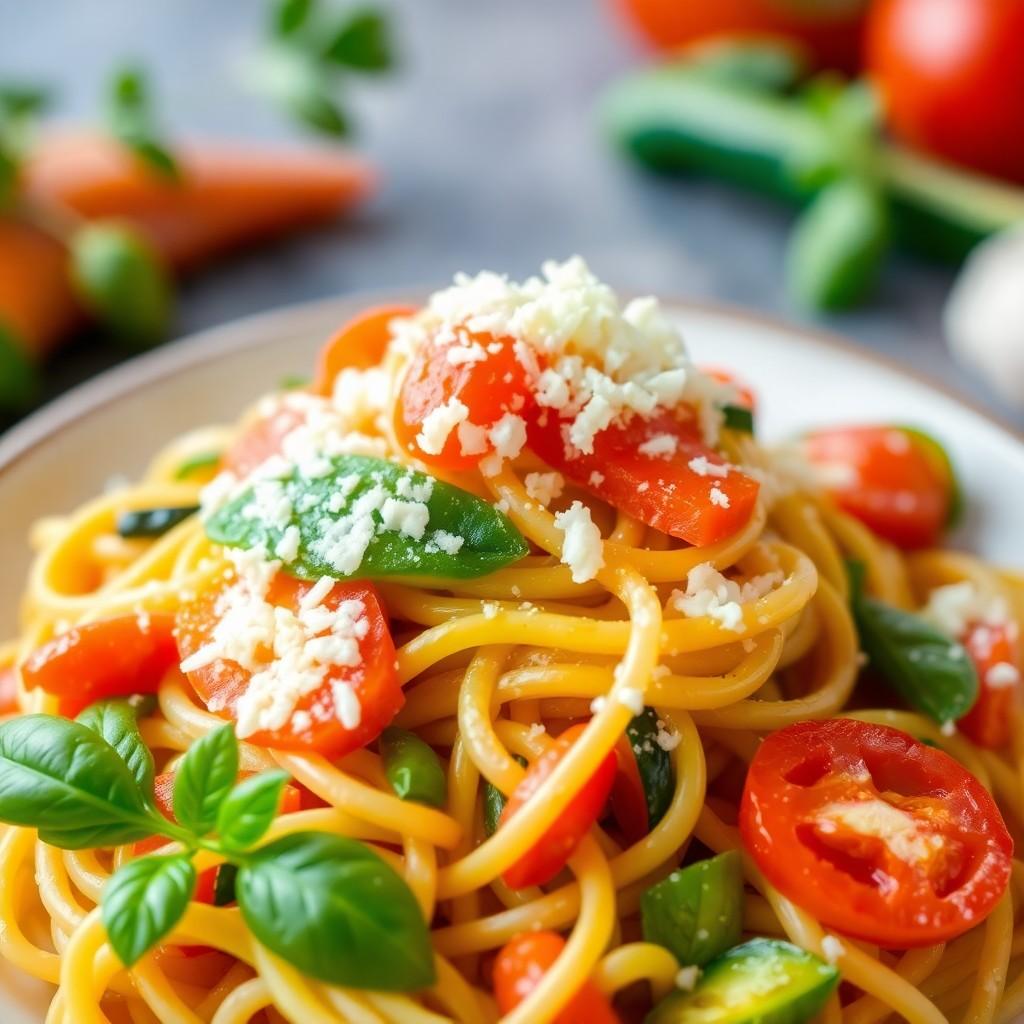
{"points": [[152, 522], [412, 768]]}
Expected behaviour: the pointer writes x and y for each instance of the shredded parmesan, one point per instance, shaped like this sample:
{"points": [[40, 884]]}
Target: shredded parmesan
{"points": [[582, 548]]}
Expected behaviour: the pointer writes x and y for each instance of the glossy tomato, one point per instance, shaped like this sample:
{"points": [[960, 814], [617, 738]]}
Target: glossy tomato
{"points": [[993, 649], [880, 837], [951, 74], [359, 344]]}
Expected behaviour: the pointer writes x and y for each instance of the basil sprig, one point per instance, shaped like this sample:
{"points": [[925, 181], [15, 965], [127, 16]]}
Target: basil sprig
{"points": [[330, 506], [931, 672], [329, 906], [132, 121]]}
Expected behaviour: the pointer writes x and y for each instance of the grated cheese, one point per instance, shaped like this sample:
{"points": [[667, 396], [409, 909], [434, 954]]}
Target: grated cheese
{"points": [[439, 423], [582, 548], [661, 446], [709, 593], [544, 487], [953, 608]]}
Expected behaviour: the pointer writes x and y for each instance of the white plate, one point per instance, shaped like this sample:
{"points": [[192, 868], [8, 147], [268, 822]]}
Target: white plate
{"points": [[111, 426]]}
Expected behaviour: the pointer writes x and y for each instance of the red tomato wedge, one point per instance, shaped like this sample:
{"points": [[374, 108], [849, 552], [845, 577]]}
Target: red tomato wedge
{"points": [[359, 344], [478, 370], [993, 649], [663, 492], [221, 683], [8, 690], [896, 481], [523, 962], [552, 851], [628, 799], [115, 657], [880, 837]]}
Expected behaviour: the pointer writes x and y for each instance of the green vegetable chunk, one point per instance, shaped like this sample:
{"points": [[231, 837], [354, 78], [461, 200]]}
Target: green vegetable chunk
{"points": [[764, 981], [436, 530], [653, 764], [494, 803], [152, 522], [931, 672], [412, 768], [738, 417], [697, 912]]}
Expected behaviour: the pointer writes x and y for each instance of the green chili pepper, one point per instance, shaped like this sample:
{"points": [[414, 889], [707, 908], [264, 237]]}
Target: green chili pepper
{"points": [[152, 522], [412, 768]]}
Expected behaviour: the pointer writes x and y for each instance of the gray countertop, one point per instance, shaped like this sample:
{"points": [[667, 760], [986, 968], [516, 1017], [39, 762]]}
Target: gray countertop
{"points": [[491, 159]]}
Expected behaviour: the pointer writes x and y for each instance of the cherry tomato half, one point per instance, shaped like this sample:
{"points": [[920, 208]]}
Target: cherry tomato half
{"points": [[880, 837], [360, 344], [993, 649]]}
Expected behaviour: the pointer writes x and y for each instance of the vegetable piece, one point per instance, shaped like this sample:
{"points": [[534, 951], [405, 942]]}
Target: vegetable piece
{"points": [[8, 690], [131, 119], [331, 906], [478, 371], [663, 492], [958, 93], [248, 811], [19, 380], [436, 529], [930, 672], [993, 651], [735, 417], [645, 782], [697, 912], [116, 657], [152, 522], [221, 683], [204, 778], [873, 833], [117, 721], [359, 344], [196, 464], [890, 478], [764, 980], [362, 42], [554, 848], [523, 962], [494, 802], [412, 768]]}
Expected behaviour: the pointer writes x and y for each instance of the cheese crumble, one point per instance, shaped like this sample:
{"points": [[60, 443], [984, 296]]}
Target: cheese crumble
{"points": [[582, 548], [709, 593]]}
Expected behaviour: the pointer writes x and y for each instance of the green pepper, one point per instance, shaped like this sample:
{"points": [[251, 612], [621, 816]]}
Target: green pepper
{"points": [[412, 768], [152, 522]]}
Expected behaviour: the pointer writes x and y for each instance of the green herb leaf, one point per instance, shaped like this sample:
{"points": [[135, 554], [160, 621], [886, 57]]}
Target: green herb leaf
{"points": [[197, 463], [494, 803], [772, 65], [315, 106], [152, 522], [62, 778], [412, 768], [931, 672], [249, 809], [653, 763], [203, 779], [288, 16], [19, 378], [144, 900], [345, 504], [22, 100], [332, 908], [361, 42], [224, 885], [697, 912], [738, 417], [117, 721], [131, 120]]}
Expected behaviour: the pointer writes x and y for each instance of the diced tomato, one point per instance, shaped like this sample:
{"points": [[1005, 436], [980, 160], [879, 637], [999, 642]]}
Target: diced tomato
{"points": [[552, 851], [628, 799], [8, 690], [260, 440], [220, 684], [524, 961], [993, 649], [115, 657], [896, 481], [360, 344], [490, 384], [663, 492], [876, 835], [745, 395]]}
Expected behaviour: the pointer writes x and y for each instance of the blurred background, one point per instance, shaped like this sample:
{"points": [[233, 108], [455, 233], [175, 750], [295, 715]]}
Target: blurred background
{"points": [[496, 136]]}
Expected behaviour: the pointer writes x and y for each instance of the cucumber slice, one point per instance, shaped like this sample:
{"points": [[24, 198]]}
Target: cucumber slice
{"points": [[653, 763], [764, 981]]}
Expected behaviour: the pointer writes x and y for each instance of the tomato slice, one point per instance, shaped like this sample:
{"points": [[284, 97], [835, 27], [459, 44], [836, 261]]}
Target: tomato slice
{"points": [[993, 649], [360, 343], [554, 848], [523, 962], [478, 370], [744, 393], [890, 478], [664, 492], [374, 683], [115, 657], [877, 835]]}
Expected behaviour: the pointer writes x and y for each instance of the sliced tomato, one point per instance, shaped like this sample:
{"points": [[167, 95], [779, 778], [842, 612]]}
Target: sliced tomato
{"points": [[744, 394], [663, 492], [116, 657], [360, 344], [8, 690], [220, 684], [628, 799], [489, 383], [896, 481], [552, 851], [260, 440], [880, 837], [523, 962], [993, 649]]}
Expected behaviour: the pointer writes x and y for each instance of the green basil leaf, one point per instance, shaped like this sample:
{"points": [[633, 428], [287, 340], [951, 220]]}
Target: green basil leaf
{"points": [[19, 100], [61, 778], [152, 522], [130, 118], [288, 16], [332, 908], [412, 768], [931, 672], [361, 42], [494, 803], [653, 763], [344, 505], [249, 809], [203, 779], [144, 900], [117, 721], [195, 463], [738, 417]]}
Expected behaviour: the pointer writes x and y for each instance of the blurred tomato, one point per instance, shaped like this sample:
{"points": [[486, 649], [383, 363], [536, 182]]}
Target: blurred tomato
{"points": [[830, 30], [952, 76]]}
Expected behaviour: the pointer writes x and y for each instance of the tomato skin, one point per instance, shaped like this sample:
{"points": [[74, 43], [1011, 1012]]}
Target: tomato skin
{"points": [[952, 78], [990, 722], [554, 848], [221, 684], [662, 492], [895, 488], [950, 870], [360, 343], [114, 657], [832, 37], [521, 964]]}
